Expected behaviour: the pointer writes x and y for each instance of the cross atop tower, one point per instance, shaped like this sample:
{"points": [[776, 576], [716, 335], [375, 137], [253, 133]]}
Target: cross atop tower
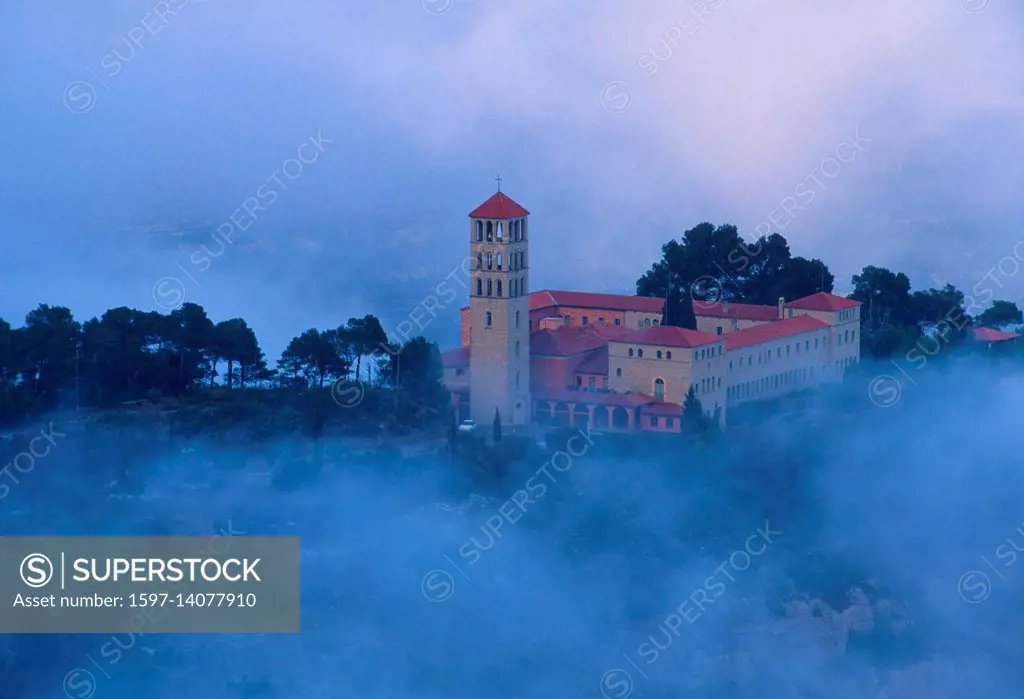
{"points": [[498, 180]]}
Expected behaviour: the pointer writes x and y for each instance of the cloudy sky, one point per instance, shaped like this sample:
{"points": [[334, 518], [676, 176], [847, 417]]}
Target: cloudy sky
{"points": [[360, 135]]}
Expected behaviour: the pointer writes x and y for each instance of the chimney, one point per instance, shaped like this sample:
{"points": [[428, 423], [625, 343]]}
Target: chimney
{"points": [[782, 307]]}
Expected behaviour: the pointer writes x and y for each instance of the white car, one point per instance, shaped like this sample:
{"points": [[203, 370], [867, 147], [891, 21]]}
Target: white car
{"points": [[467, 426]]}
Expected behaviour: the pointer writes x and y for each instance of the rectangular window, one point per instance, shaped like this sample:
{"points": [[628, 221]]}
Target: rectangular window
{"points": [[592, 383], [654, 420], [618, 322], [670, 422], [586, 320], [718, 330], [604, 382]]}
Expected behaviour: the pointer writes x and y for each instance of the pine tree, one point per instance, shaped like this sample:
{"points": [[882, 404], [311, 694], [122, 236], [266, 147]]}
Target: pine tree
{"points": [[694, 419]]}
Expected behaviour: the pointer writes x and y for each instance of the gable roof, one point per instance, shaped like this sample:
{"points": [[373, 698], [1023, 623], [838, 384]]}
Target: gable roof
{"points": [[457, 358], [993, 335], [669, 336], [595, 363], [822, 301], [739, 311], [498, 206], [568, 340], [772, 331], [606, 302]]}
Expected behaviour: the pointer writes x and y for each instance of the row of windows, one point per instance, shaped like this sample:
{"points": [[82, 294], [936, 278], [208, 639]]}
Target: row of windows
{"points": [[516, 228], [669, 421], [845, 363], [708, 384], [640, 353], [848, 314], [750, 389], [848, 335], [766, 355], [517, 287], [586, 320], [487, 322], [517, 260], [716, 351], [647, 323]]}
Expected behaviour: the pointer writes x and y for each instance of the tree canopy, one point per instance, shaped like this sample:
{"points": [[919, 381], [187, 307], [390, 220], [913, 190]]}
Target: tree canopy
{"points": [[127, 355]]}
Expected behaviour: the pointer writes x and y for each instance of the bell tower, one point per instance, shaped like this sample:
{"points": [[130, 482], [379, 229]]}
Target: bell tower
{"points": [[499, 356]]}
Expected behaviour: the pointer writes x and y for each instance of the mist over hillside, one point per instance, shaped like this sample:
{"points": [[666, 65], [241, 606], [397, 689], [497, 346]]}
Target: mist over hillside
{"points": [[853, 547]]}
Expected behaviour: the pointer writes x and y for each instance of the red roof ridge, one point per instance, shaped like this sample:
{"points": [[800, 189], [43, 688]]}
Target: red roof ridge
{"points": [[757, 334], [986, 334], [823, 301], [669, 336], [499, 206], [598, 301], [729, 309]]}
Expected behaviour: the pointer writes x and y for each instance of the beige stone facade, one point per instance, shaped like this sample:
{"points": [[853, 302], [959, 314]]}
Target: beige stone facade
{"points": [[576, 358], [499, 370], [776, 367]]}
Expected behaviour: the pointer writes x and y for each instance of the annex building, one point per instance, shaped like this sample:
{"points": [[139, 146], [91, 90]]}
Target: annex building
{"points": [[576, 358]]}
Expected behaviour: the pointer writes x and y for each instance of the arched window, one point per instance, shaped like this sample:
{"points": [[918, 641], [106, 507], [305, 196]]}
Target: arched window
{"points": [[489, 289], [517, 319], [659, 389], [490, 231], [499, 254], [488, 319], [479, 287], [479, 231], [659, 354], [647, 322], [499, 288], [567, 319], [517, 348], [499, 230], [668, 355], [479, 261], [490, 260], [525, 234], [519, 229], [640, 353], [630, 351], [618, 372]]}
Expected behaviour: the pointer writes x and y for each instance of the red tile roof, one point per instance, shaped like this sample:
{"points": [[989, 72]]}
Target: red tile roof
{"points": [[772, 331], [666, 409], [739, 311], [993, 335], [498, 206], [595, 363], [568, 340], [669, 336], [457, 358], [822, 301], [606, 302]]}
